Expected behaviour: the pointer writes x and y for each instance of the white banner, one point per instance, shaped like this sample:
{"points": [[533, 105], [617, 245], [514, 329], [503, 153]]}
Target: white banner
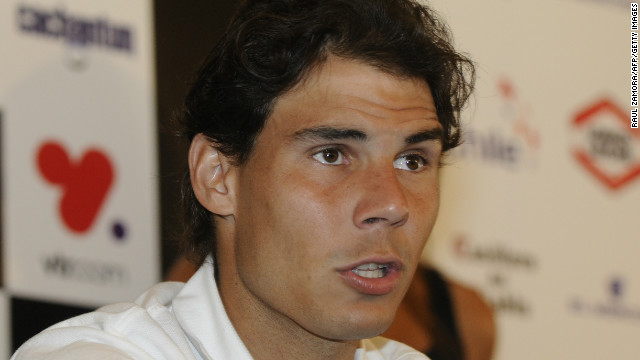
{"points": [[79, 150], [540, 206]]}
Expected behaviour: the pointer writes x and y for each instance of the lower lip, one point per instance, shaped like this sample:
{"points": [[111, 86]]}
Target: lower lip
{"points": [[371, 286]]}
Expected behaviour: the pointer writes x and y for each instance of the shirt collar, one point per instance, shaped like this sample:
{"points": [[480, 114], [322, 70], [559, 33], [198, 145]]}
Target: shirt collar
{"points": [[200, 312]]}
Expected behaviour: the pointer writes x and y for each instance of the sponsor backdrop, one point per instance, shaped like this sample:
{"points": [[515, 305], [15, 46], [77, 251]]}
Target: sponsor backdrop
{"points": [[79, 185], [540, 206]]}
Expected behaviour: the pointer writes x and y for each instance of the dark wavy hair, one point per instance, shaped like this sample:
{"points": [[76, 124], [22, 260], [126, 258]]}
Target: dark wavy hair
{"points": [[271, 45]]}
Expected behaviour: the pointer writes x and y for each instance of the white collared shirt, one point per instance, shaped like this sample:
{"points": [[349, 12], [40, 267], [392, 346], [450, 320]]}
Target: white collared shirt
{"points": [[170, 321]]}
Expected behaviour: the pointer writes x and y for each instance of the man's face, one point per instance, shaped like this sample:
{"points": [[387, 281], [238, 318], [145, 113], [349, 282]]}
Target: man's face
{"points": [[335, 203]]}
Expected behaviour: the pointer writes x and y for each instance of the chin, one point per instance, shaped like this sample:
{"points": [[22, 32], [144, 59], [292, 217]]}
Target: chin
{"points": [[363, 326], [364, 332]]}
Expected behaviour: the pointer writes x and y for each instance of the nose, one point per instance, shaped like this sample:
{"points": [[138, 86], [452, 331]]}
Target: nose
{"points": [[382, 200]]}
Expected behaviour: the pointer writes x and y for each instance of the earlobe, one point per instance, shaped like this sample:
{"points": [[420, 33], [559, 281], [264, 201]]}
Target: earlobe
{"points": [[211, 176]]}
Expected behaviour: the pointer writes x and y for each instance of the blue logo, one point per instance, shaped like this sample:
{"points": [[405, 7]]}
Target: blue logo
{"points": [[76, 30], [615, 307], [616, 287]]}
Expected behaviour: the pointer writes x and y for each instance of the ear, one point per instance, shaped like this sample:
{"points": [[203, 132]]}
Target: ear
{"points": [[211, 175]]}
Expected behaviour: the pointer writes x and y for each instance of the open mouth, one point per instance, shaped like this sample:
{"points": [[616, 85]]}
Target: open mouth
{"points": [[373, 276], [371, 270]]}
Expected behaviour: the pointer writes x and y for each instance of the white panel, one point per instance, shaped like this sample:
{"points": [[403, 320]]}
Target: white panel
{"points": [[79, 81]]}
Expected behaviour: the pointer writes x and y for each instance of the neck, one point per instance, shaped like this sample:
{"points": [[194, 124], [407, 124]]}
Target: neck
{"points": [[269, 335]]}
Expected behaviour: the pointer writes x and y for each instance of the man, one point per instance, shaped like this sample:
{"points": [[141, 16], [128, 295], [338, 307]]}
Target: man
{"points": [[316, 130]]}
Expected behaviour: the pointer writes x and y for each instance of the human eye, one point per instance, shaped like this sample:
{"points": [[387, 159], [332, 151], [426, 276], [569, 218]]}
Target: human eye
{"points": [[329, 156], [411, 162]]}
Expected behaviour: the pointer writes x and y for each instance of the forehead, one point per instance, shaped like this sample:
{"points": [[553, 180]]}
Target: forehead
{"points": [[342, 90]]}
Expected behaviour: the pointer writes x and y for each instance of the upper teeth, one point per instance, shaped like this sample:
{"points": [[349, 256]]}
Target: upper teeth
{"points": [[370, 270], [371, 266]]}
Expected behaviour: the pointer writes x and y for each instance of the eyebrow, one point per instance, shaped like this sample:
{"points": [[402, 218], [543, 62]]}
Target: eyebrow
{"points": [[426, 135], [331, 133]]}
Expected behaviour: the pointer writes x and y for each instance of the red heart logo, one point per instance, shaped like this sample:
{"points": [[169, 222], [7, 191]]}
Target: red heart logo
{"points": [[84, 184]]}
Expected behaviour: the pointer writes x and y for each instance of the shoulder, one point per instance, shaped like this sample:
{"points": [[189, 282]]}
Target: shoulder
{"points": [[380, 348], [144, 329], [475, 320], [469, 301]]}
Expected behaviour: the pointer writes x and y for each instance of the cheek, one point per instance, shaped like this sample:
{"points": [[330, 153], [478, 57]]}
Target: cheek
{"points": [[311, 214], [423, 194], [296, 242], [424, 207], [432, 202], [287, 215]]}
